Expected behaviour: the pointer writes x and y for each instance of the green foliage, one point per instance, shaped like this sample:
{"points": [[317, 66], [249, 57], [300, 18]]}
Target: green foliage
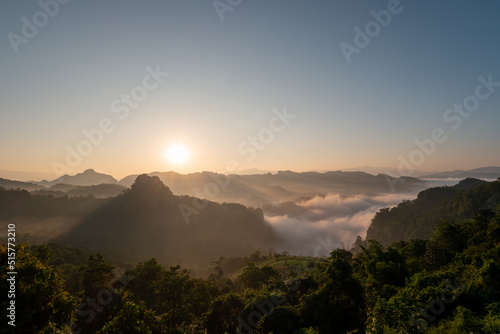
{"points": [[491, 323], [99, 301], [418, 219], [43, 253], [458, 291], [133, 319], [151, 272], [222, 317], [42, 303], [339, 304], [254, 277], [463, 321], [283, 319], [174, 295], [97, 274]]}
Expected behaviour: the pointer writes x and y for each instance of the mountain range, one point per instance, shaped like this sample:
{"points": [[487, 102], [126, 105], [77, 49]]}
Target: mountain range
{"points": [[252, 190], [247, 188], [478, 173]]}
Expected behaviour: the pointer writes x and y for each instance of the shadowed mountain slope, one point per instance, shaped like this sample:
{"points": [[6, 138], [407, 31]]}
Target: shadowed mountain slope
{"points": [[262, 189], [149, 221]]}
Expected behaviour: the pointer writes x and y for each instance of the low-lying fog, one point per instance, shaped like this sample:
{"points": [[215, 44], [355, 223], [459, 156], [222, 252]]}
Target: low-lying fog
{"points": [[321, 224]]}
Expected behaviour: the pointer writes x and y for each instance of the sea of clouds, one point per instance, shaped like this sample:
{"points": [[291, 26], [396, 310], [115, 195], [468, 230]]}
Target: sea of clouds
{"points": [[318, 225]]}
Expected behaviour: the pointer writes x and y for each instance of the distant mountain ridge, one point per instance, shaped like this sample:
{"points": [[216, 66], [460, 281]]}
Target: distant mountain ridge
{"points": [[102, 190], [88, 183], [478, 173], [251, 190], [262, 189], [383, 170], [88, 178], [248, 189], [10, 184], [24, 176]]}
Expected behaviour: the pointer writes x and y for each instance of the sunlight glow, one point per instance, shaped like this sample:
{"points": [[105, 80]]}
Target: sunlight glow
{"points": [[177, 154]]}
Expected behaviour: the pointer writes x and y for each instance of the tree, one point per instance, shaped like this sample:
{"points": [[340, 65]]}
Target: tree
{"points": [[43, 254], [175, 292], [144, 286], [97, 274], [218, 272], [448, 240], [99, 301], [339, 305], [42, 304], [254, 277], [222, 317], [132, 319], [283, 319]]}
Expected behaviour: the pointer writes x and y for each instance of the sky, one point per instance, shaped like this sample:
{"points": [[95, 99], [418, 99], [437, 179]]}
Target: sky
{"points": [[274, 85]]}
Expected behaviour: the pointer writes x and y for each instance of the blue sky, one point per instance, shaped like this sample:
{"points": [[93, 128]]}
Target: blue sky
{"points": [[226, 78]]}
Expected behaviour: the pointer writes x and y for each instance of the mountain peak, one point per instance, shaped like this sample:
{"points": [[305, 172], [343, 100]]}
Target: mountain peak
{"points": [[87, 178]]}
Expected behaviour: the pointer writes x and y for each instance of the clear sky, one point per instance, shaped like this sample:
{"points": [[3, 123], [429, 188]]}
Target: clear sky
{"points": [[357, 98]]}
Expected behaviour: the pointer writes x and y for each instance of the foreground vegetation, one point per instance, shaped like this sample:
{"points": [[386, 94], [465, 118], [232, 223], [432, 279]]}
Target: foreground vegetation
{"points": [[447, 283]]}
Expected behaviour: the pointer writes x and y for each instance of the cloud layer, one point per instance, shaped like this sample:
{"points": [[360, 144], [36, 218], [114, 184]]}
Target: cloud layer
{"points": [[319, 225]]}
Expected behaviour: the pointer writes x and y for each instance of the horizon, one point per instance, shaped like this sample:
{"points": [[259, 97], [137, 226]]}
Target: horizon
{"points": [[371, 170]]}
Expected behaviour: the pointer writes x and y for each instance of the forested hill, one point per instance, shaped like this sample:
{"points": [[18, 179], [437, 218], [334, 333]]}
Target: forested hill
{"points": [[149, 220], [417, 219]]}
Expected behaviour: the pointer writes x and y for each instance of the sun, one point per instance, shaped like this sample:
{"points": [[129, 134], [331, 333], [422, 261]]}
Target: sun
{"points": [[177, 154]]}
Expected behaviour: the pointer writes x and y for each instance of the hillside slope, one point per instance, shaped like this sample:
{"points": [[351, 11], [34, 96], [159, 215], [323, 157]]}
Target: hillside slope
{"points": [[418, 219], [149, 221]]}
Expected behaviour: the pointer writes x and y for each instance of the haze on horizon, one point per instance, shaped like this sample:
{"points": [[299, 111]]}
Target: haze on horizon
{"points": [[284, 85]]}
